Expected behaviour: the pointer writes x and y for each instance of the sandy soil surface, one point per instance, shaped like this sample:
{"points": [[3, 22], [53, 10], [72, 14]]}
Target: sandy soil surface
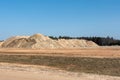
{"points": [[110, 52], [31, 72]]}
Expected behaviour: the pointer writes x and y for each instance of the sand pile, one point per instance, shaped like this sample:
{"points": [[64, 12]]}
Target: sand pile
{"points": [[40, 41], [1, 43], [75, 43]]}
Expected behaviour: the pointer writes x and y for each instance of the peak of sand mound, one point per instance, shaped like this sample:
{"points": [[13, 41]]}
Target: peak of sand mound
{"points": [[39, 37], [39, 41]]}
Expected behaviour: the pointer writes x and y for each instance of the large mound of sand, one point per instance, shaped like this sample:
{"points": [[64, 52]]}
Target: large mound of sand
{"points": [[39, 41]]}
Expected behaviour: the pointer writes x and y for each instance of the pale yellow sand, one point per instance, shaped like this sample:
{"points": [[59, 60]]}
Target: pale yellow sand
{"points": [[30, 72]]}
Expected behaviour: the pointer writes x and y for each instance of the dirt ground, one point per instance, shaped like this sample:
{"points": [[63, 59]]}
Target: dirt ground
{"points": [[10, 71], [107, 52], [29, 72]]}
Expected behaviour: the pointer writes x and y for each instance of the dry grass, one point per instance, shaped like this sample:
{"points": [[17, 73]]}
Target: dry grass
{"points": [[15, 71], [104, 66], [102, 60]]}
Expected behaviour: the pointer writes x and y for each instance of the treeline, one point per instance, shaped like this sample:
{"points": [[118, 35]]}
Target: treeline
{"points": [[1, 40], [102, 41]]}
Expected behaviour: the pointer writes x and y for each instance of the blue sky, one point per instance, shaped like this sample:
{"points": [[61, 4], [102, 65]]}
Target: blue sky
{"points": [[60, 17]]}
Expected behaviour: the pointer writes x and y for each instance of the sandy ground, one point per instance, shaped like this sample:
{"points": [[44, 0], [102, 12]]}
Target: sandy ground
{"points": [[31, 72], [110, 52]]}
